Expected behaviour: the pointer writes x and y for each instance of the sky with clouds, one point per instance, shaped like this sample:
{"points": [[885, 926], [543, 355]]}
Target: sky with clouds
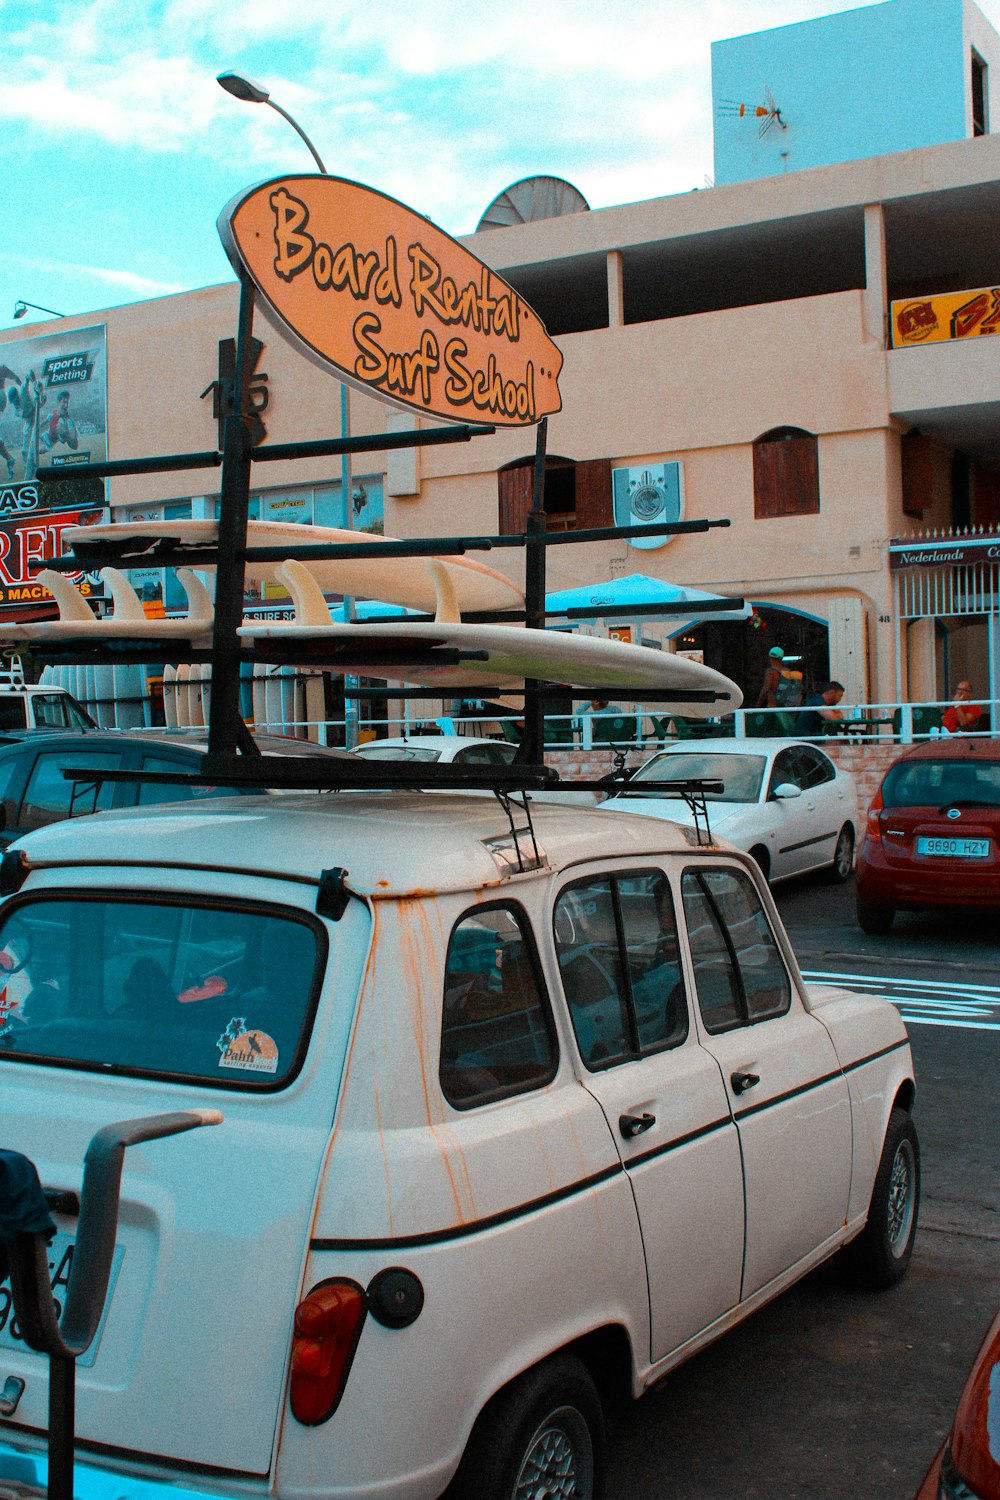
{"points": [[120, 149]]}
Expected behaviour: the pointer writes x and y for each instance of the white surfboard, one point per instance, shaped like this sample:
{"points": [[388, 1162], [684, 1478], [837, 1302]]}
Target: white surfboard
{"points": [[394, 580], [77, 620], [183, 694], [259, 698], [311, 704], [170, 695], [104, 696], [196, 695], [512, 654]]}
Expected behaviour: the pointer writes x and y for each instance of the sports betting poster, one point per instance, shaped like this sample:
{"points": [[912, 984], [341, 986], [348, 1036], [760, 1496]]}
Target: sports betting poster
{"points": [[53, 403]]}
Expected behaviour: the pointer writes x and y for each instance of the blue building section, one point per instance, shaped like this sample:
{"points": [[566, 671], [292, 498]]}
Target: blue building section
{"points": [[863, 82]]}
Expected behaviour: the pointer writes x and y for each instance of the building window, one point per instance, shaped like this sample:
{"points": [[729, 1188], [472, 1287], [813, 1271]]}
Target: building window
{"points": [[785, 473], [577, 495], [980, 123]]}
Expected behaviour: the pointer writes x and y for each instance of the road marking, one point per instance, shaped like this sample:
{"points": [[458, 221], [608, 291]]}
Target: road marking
{"points": [[926, 1002]]}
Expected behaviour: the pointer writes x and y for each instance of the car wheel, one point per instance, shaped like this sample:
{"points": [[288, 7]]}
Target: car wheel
{"points": [[542, 1435], [760, 854], [843, 856], [878, 1258], [875, 920]]}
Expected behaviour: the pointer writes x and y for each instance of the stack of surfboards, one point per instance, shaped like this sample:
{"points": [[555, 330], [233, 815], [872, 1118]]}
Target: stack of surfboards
{"points": [[498, 655]]}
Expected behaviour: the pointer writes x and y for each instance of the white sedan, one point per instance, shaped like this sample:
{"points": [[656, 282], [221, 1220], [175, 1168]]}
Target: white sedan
{"points": [[463, 749], [784, 802]]}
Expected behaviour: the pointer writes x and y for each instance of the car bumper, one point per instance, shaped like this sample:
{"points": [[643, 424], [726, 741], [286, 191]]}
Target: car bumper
{"points": [[924, 884]]}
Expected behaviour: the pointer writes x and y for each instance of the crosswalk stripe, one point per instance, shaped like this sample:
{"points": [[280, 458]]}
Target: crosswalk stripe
{"points": [[927, 1002]]}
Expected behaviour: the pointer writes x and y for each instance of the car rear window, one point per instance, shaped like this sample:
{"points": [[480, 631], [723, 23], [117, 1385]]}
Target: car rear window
{"points": [[223, 994], [937, 783]]}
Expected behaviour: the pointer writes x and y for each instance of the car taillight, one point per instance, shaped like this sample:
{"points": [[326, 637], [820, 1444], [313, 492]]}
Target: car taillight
{"points": [[975, 1442], [874, 831], [327, 1329]]}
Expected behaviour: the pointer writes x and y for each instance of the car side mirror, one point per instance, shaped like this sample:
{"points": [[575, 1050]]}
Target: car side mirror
{"points": [[787, 789]]}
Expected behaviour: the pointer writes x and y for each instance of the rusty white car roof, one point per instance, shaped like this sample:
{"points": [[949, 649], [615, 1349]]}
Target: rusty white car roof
{"points": [[389, 842]]}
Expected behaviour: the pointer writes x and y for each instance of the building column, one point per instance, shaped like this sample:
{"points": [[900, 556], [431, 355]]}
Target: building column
{"points": [[874, 302], [616, 290]]}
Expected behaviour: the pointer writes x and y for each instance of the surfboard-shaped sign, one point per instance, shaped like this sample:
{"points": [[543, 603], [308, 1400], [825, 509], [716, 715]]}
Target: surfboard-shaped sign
{"points": [[392, 303]]}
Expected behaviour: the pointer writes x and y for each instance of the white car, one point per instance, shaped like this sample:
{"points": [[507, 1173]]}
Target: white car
{"points": [[505, 1121], [460, 749], [784, 802]]}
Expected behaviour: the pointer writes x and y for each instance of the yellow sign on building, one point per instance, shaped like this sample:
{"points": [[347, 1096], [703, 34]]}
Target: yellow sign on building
{"points": [[393, 303], [950, 315]]}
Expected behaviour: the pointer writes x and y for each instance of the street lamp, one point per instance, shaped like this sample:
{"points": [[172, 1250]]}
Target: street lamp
{"points": [[249, 92], [20, 308]]}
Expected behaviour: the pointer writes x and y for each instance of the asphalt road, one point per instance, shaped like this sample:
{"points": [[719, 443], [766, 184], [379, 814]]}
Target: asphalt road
{"points": [[828, 1392]]}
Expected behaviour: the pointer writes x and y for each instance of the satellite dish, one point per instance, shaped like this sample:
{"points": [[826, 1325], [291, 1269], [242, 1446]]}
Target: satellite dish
{"points": [[533, 198]]}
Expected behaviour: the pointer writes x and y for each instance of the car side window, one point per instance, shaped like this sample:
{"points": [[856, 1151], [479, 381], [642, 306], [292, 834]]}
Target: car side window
{"points": [[739, 973], [50, 710], [618, 951], [11, 770], [784, 770], [177, 791], [12, 713], [50, 797], [474, 755], [497, 1036], [815, 768]]}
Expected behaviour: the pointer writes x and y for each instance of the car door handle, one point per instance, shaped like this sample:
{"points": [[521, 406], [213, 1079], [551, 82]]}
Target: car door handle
{"points": [[743, 1081], [632, 1125]]}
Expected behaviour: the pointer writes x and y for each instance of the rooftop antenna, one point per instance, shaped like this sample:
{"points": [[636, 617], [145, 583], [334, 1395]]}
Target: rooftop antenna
{"points": [[767, 113]]}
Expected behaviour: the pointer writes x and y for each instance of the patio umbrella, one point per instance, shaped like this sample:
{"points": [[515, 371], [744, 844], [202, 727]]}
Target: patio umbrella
{"points": [[638, 589]]}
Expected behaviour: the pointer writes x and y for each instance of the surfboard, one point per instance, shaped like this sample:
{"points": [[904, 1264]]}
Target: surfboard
{"points": [[394, 580], [311, 706], [128, 622], [104, 696], [259, 698], [183, 681], [170, 695], [512, 653]]}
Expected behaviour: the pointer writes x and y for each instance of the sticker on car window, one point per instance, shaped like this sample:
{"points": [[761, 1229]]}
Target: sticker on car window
{"points": [[248, 1050]]}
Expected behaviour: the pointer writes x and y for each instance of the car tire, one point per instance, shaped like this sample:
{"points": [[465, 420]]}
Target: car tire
{"points": [[760, 854], [875, 920], [542, 1435], [878, 1258], [843, 856]]}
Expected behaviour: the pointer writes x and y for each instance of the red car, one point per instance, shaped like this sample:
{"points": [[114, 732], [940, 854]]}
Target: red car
{"points": [[967, 1465], [933, 835]]}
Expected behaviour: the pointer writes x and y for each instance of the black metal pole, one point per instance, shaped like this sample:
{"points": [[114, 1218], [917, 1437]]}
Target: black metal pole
{"points": [[532, 750], [62, 1425], [234, 502]]}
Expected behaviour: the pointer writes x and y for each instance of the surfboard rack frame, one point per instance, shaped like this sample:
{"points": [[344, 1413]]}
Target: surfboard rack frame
{"points": [[229, 758]]}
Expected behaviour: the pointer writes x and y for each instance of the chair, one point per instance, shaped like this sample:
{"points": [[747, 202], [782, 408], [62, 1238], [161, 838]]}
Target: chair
{"points": [[615, 729], [760, 725], [924, 721], [784, 723], [510, 731], [661, 729]]}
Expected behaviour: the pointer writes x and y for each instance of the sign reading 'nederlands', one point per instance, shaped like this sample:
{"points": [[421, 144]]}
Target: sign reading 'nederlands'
{"points": [[392, 302]]}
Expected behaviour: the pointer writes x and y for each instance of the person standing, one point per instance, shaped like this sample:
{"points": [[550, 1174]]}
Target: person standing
{"points": [[962, 713], [768, 695]]}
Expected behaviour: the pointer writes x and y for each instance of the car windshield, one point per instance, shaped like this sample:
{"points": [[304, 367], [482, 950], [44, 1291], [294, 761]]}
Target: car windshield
{"points": [[936, 783], [400, 752], [220, 994], [741, 775]]}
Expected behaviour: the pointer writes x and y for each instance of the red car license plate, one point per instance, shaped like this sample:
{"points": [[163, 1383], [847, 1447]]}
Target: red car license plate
{"points": [[955, 848]]}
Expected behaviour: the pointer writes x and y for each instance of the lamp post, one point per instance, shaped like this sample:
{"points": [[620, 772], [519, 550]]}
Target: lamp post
{"points": [[20, 308], [249, 92]]}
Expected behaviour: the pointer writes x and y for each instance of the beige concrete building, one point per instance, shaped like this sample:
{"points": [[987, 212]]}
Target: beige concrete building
{"points": [[741, 332]]}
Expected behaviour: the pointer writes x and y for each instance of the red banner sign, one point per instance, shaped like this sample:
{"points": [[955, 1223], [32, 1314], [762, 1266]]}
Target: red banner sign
{"points": [[25, 547]]}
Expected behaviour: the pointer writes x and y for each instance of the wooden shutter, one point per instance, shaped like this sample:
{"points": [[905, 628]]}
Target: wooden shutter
{"points": [[515, 487], [785, 475], [593, 494]]}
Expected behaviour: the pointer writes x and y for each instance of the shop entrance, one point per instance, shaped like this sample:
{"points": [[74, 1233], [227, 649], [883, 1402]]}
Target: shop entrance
{"points": [[740, 649]]}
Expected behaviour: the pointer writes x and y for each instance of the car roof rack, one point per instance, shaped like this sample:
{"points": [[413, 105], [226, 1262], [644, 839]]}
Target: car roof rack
{"points": [[232, 756]]}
